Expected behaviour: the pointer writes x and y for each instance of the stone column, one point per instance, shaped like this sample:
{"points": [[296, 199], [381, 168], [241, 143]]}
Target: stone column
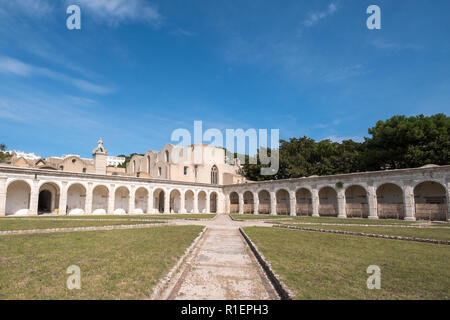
{"points": [[89, 199], [34, 198], [241, 203], [63, 199], [208, 203], [408, 200], [195, 202], [315, 202], [273, 203], [111, 199], [3, 192], [183, 202], [448, 201], [166, 201], [132, 200], [150, 202], [293, 205], [255, 203], [342, 212], [372, 201]]}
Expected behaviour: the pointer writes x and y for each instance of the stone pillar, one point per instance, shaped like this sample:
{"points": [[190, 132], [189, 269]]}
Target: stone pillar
{"points": [[166, 201], [89, 199], [208, 203], [195, 202], [273, 203], [315, 202], [221, 205], [448, 201], [131, 200], [63, 199], [3, 192], [241, 203], [34, 198], [342, 212], [255, 203], [372, 201], [183, 202], [293, 205], [111, 199], [408, 200], [150, 202], [226, 203]]}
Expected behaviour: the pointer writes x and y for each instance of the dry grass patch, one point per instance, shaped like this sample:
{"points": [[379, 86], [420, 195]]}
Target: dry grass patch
{"points": [[329, 266], [118, 264]]}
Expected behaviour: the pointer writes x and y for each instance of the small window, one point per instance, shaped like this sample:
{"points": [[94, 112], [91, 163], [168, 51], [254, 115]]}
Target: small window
{"points": [[84, 170], [61, 168], [73, 160], [167, 155], [159, 171], [185, 170]]}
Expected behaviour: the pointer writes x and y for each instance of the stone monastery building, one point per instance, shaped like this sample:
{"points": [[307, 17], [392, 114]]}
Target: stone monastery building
{"points": [[199, 179]]}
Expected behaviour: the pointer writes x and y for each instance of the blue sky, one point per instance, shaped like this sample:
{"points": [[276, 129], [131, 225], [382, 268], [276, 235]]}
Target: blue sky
{"points": [[139, 69]]}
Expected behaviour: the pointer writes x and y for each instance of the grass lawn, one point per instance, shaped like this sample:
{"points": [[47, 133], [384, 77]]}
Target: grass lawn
{"points": [[27, 224], [125, 216], [329, 266], [423, 232], [303, 219], [258, 216], [118, 264]]}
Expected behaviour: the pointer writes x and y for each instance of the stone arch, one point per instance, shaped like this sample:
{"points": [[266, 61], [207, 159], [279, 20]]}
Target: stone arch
{"points": [[283, 202], [202, 198], [175, 201], [390, 201], [430, 201], [264, 202], [122, 200], [234, 202], [158, 200], [249, 202], [18, 194], [100, 199], [303, 198], [189, 201], [213, 199], [48, 201], [76, 199], [141, 200], [328, 202], [356, 203]]}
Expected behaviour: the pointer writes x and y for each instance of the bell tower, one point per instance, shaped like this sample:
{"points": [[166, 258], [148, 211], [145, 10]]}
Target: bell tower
{"points": [[99, 154]]}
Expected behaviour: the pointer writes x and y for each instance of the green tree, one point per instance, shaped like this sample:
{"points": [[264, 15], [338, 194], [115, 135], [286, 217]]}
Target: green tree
{"points": [[408, 142]]}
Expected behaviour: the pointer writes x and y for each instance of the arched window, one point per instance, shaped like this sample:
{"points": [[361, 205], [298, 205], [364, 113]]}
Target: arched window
{"points": [[148, 164], [167, 156], [214, 175]]}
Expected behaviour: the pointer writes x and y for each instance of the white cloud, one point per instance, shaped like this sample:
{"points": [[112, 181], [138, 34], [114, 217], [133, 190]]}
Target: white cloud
{"points": [[315, 17], [12, 66], [9, 65], [35, 8], [383, 44], [115, 12]]}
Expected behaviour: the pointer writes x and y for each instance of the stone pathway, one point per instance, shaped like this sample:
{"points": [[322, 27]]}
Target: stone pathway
{"points": [[221, 267]]}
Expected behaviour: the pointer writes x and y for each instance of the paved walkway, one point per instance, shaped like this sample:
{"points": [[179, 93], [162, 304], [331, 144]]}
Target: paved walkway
{"points": [[221, 267]]}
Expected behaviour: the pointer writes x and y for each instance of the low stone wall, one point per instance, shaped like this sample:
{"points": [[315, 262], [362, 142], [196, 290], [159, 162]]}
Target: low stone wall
{"points": [[282, 290], [371, 235]]}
